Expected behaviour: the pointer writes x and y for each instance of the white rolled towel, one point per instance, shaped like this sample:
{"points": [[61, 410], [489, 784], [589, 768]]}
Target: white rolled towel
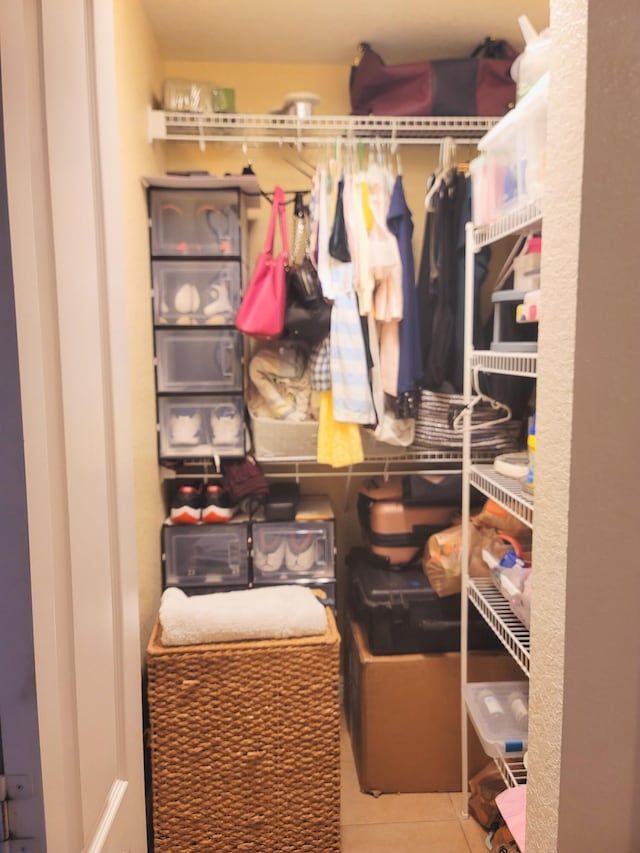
{"points": [[276, 612]]}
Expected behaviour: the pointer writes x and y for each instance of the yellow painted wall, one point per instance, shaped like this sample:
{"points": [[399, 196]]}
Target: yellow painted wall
{"points": [[140, 75], [140, 84]]}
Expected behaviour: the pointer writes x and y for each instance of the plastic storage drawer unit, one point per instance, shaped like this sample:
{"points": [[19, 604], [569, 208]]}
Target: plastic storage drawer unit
{"points": [[196, 293], [205, 557], [195, 361], [193, 427], [194, 222], [296, 551], [292, 551]]}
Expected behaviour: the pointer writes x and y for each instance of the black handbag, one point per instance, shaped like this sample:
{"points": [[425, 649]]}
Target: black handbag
{"points": [[308, 321], [307, 314]]}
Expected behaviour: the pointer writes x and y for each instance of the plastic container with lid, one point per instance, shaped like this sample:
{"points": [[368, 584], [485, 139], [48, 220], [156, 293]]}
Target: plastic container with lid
{"points": [[534, 61], [499, 713]]}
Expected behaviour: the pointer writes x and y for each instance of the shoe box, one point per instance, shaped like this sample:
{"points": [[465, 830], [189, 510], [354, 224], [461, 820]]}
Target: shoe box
{"points": [[204, 557], [297, 551], [195, 293], [191, 427], [197, 238], [195, 222], [403, 714]]}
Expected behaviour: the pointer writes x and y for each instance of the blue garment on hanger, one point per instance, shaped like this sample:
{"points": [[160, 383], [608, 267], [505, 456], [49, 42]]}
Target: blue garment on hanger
{"points": [[400, 223]]}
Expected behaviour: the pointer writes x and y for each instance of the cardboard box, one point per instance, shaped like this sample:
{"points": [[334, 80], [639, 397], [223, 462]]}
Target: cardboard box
{"points": [[403, 714]]}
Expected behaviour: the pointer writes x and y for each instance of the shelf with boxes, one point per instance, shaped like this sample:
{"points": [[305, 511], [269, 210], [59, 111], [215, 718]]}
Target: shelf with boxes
{"points": [[198, 245], [253, 551]]}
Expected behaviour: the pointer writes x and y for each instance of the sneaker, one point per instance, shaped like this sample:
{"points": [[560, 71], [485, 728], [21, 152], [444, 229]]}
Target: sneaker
{"points": [[186, 506], [216, 505], [185, 429], [269, 550], [226, 425], [301, 554]]}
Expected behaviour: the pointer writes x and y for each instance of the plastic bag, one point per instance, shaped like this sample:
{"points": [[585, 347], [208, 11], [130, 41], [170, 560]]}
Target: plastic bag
{"points": [[441, 561]]}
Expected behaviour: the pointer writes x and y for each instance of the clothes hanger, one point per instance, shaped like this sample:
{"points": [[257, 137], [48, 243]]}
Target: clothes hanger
{"points": [[445, 156], [479, 397], [295, 166]]}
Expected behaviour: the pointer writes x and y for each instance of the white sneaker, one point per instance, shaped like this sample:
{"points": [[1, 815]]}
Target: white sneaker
{"points": [[268, 551], [185, 429], [226, 425], [301, 552]]}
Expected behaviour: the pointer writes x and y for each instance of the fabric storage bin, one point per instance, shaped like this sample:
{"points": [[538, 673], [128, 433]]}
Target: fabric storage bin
{"points": [[245, 745], [193, 427], [295, 551], [277, 439], [194, 222], [205, 557], [198, 361], [199, 293]]}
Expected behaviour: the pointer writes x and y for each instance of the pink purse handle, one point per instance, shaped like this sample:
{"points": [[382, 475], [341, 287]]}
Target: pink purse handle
{"points": [[277, 212]]}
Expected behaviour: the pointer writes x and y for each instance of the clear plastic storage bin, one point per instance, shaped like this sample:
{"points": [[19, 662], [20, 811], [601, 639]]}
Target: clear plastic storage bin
{"points": [[295, 551], [195, 427], [204, 557], [499, 711], [194, 222], [196, 360], [196, 293]]}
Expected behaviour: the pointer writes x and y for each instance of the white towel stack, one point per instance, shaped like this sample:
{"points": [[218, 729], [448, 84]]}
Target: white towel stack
{"points": [[277, 612]]}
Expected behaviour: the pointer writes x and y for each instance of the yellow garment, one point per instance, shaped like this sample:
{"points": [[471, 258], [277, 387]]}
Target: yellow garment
{"points": [[339, 444], [368, 215]]}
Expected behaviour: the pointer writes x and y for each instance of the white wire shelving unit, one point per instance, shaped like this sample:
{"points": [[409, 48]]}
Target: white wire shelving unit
{"points": [[523, 218], [275, 128], [506, 491], [495, 609]]}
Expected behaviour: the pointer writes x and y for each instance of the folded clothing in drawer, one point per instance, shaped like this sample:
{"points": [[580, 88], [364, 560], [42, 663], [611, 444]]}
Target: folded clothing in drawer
{"points": [[401, 613]]}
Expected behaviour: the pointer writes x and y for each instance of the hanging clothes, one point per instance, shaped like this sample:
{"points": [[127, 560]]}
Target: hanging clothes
{"points": [[339, 444], [352, 401], [386, 270], [437, 282], [400, 223]]}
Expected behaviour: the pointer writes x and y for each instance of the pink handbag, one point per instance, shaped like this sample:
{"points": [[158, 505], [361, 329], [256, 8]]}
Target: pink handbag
{"points": [[261, 312]]}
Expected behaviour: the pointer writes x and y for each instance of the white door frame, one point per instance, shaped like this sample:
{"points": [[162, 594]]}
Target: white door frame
{"points": [[66, 233]]}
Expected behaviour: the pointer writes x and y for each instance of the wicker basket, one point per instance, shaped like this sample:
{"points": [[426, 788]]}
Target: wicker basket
{"points": [[245, 749]]}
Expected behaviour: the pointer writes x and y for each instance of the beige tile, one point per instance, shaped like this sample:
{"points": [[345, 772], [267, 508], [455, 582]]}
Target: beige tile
{"points": [[419, 837], [474, 833]]}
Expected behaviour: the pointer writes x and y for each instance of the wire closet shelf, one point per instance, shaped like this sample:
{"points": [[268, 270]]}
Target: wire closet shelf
{"points": [[261, 129]]}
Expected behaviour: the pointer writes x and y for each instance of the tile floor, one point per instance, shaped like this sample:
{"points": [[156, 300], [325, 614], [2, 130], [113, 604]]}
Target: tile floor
{"points": [[402, 823]]}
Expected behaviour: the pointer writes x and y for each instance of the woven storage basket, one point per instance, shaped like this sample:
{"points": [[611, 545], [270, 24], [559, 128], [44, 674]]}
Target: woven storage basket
{"points": [[245, 748]]}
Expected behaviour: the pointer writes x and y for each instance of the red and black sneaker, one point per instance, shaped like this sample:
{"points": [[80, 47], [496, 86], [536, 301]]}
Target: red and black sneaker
{"points": [[186, 506], [216, 505]]}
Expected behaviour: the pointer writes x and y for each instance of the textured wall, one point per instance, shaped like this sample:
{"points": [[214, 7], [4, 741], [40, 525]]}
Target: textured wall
{"points": [[585, 644], [139, 81]]}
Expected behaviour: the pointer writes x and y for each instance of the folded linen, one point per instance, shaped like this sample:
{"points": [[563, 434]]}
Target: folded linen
{"points": [[277, 612]]}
